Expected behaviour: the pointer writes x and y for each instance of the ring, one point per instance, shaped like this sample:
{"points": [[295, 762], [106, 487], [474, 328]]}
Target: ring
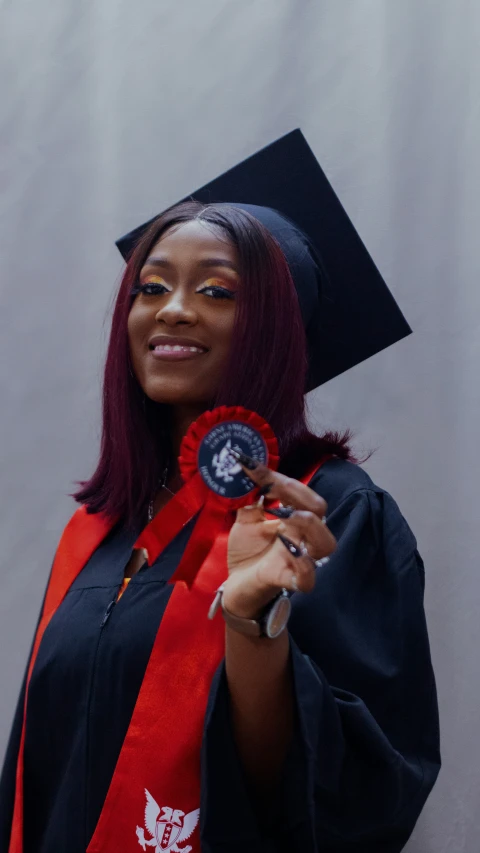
{"points": [[318, 564], [304, 550], [294, 582]]}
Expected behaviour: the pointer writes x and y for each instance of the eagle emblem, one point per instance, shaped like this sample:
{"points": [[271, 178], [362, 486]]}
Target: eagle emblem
{"points": [[168, 827], [225, 465]]}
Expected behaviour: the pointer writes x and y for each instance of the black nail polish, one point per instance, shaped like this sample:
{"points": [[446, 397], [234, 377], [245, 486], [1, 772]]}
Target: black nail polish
{"points": [[281, 512], [244, 460], [290, 546], [265, 489]]}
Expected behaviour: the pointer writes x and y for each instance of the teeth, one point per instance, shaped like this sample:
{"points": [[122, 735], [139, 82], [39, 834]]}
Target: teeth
{"points": [[176, 348]]}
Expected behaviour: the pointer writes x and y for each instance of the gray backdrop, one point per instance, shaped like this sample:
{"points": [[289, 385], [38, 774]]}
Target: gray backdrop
{"points": [[112, 109]]}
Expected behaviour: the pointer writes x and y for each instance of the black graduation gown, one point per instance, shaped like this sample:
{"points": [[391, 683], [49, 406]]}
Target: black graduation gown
{"points": [[365, 752]]}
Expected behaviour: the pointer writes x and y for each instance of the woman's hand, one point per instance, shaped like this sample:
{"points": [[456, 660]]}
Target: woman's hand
{"points": [[259, 563]]}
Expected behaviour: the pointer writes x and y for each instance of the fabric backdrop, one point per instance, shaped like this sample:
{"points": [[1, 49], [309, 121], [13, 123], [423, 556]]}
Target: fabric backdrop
{"points": [[110, 110]]}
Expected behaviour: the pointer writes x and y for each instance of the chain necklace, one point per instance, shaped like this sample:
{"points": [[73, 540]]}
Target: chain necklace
{"points": [[162, 485]]}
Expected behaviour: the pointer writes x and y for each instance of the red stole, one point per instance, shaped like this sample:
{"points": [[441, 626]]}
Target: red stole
{"points": [[154, 794]]}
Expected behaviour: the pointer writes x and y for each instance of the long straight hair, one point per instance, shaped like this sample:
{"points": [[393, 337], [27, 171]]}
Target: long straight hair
{"points": [[265, 371]]}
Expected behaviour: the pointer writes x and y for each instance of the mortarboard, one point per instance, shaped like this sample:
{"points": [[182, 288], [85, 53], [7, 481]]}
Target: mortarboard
{"points": [[348, 311]]}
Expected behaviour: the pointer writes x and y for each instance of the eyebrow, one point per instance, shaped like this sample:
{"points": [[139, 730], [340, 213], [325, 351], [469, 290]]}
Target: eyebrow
{"points": [[204, 263]]}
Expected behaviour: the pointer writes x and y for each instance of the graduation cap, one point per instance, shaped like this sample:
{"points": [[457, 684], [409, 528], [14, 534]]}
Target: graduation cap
{"points": [[348, 311]]}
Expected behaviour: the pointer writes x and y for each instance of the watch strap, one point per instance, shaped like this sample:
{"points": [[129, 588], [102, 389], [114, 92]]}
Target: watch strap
{"points": [[249, 627]]}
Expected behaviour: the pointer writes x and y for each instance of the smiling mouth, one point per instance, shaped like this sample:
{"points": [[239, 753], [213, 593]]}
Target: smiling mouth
{"points": [[176, 352]]}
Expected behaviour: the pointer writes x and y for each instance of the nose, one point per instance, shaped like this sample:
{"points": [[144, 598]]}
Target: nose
{"points": [[177, 309]]}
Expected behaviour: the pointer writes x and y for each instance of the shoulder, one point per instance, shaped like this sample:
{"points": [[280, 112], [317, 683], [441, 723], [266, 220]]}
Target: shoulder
{"points": [[337, 480], [83, 533], [354, 499]]}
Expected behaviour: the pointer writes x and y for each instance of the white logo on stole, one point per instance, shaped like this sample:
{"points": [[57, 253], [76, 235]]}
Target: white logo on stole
{"points": [[167, 827]]}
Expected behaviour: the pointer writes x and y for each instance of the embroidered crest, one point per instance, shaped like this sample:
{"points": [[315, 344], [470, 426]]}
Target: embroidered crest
{"points": [[224, 464], [168, 827], [218, 469]]}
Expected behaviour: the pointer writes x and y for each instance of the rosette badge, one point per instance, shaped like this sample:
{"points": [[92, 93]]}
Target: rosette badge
{"points": [[218, 467], [205, 452], [215, 485]]}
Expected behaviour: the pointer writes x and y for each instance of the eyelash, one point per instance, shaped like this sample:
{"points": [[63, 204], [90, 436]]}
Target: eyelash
{"points": [[156, 289]]}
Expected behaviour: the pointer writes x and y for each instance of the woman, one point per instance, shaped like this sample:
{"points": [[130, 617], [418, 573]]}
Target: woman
{"points": [[321, 738]]}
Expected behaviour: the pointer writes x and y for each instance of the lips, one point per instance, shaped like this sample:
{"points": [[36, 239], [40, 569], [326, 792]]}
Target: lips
{"points": [[175, 349], [163, 343]]}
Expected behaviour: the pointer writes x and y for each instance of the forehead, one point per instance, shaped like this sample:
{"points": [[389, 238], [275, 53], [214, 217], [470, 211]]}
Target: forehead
{"points": [[195, 238]]}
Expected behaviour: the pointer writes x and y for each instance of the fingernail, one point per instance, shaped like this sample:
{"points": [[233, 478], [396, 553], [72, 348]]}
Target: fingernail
{"points": [[244, 460], [257, 505], [265, 489], [290, 546], [281, 512]]}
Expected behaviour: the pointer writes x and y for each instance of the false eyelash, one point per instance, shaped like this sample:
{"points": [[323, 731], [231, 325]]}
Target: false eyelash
{"points": [[142, 288], [218, 292]]}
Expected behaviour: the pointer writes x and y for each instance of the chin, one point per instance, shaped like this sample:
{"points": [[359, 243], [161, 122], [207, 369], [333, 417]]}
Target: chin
{"points": [[173, 394]]}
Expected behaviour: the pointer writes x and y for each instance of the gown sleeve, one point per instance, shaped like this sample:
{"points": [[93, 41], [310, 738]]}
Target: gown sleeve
{"points": [[365, 751]]}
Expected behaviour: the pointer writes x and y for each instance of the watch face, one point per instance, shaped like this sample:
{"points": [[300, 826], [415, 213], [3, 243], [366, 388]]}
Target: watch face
{"points": [[278, 617]]}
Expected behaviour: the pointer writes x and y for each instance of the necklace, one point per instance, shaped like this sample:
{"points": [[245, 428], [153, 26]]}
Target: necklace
{"points": [[162, 485]]}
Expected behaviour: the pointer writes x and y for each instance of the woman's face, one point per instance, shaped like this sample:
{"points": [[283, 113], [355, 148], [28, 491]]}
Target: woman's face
{"points": [[180, 324]]}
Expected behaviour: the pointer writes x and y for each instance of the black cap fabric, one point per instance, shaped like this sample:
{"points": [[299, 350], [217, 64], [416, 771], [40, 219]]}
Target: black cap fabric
{"points": [[348, 310]]}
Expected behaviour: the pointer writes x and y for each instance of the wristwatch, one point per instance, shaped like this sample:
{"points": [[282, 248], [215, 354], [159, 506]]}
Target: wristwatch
{"points": [[270, 624]]}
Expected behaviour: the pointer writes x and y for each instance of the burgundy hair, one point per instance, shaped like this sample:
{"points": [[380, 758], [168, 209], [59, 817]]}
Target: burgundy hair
{"points": [[265, 372]]}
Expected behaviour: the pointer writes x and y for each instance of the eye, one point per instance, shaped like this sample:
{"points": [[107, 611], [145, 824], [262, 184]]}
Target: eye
{"points": [[216, 291], [149, 288]]}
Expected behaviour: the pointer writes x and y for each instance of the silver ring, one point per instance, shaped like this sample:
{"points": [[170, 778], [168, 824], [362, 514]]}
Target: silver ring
{"points": [[318, 564], [294, 582], [304, 550]]}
